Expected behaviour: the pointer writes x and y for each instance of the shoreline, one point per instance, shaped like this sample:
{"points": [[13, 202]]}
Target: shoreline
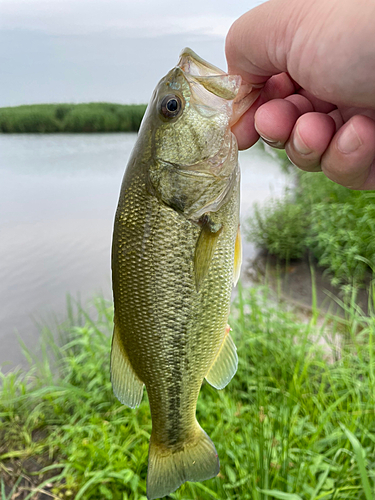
{"points": [[71, 118]]}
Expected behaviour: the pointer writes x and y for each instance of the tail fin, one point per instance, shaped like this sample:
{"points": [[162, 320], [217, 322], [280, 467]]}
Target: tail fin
{"points": [[197, 460]]}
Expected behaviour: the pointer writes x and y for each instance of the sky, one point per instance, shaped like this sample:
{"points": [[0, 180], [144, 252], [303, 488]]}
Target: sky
{"points": [[104, 50]]}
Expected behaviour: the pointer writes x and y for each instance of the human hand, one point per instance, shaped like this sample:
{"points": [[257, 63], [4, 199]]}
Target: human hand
{"points": [[317, 60]]}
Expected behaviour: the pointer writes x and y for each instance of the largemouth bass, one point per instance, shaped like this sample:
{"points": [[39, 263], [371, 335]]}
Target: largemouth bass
{"points": [[176, 255]]}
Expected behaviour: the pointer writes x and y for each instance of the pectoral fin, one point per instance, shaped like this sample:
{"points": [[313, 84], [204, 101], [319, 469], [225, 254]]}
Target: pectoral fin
{"points": [[127, 387], [225, 365], [204, 251], [237, 257]]}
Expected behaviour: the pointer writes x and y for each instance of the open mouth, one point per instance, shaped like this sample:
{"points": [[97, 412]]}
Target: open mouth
{"points": [[194, 65], [213, 79], [216, 81]]}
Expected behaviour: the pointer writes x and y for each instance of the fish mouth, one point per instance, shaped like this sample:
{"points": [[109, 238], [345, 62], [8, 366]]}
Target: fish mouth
{"points": [[213, 79], [198, 71], [211, 89], [194, 65]]}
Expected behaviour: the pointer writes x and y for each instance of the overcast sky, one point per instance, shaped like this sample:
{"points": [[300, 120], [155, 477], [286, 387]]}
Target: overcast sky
{"points": [[104, 50]]}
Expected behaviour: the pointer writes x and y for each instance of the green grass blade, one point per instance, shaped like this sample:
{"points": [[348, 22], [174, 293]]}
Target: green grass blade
{"points": [[204, 488], [281, 495], [54, 479], [360, 462], [3, 489], [12, 491], [322, 480], [96, 479]]}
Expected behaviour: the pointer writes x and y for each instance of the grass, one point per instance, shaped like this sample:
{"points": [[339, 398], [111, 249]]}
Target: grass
{"points": [[335, 224], [296, 423], [281, 227], [90, 117]]}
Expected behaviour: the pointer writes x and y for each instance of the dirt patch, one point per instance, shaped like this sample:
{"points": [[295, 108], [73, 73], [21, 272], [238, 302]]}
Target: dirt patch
{"points": [[293, 282], [19, 476]]}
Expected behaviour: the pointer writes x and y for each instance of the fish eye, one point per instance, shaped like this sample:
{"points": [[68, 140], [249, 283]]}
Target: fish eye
{"points": [[170, 106]]}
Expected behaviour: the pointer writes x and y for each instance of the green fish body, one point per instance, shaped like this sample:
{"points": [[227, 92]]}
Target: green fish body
{"points": [[176, 255]]}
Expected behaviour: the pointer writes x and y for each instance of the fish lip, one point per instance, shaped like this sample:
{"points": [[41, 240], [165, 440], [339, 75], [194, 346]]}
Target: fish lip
{"points": [[192, 64], [197, 71], [174, 74]]}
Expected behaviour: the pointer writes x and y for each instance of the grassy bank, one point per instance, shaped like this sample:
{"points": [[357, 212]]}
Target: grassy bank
{"points": [[335, 224], [296, 423], [91, 117]]}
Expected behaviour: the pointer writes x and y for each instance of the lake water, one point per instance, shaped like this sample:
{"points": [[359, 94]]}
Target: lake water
{"points": [[58, 196]]}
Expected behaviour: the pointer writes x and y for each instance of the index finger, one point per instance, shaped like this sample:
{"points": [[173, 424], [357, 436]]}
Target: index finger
{"points": [[277, 87]]}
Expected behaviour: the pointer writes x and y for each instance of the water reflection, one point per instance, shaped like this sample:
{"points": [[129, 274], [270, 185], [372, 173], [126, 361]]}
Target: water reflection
{"points": [[58, 196]]}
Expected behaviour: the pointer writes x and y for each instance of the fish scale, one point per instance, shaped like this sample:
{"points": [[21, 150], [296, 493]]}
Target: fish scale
{"points": [[173, 267], [182, 320]]}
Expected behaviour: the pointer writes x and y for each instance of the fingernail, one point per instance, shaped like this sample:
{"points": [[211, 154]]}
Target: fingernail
{"points": [[273, 144], [299, 145], [268, 140], [348, 141]]}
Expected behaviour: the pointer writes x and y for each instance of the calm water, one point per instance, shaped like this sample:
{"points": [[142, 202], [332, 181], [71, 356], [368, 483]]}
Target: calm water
{"points": [[58, 196]]}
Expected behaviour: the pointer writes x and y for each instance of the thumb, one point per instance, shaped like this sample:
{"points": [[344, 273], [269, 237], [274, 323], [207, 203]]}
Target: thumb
{"points": [[258, 43]]}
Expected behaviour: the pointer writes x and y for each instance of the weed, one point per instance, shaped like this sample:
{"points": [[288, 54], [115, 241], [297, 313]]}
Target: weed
{"points": [[290, 425], [281, 227], [335, 224]]}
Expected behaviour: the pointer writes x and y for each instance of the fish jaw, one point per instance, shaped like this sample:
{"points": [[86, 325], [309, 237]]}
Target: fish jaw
{"points": [[192, 63], [244, 94]]}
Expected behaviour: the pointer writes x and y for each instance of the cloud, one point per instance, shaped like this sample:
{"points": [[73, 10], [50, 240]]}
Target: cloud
{"points": [[104, 50], [144, 18]]}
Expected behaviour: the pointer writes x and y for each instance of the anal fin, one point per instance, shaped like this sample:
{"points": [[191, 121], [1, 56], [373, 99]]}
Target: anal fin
{"points": [[225, 365], [127, 387]]}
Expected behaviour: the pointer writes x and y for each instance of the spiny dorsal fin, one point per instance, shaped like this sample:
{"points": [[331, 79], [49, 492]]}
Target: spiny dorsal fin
{"points": [[127, 387], [204, 251], [225, 365], [237, 257]]}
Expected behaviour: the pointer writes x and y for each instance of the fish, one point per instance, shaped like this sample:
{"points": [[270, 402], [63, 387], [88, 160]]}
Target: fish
{"points": [[176, 254]]}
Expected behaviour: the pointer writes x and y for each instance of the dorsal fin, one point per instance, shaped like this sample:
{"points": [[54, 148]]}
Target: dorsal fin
{"points": [[237, 257]]}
